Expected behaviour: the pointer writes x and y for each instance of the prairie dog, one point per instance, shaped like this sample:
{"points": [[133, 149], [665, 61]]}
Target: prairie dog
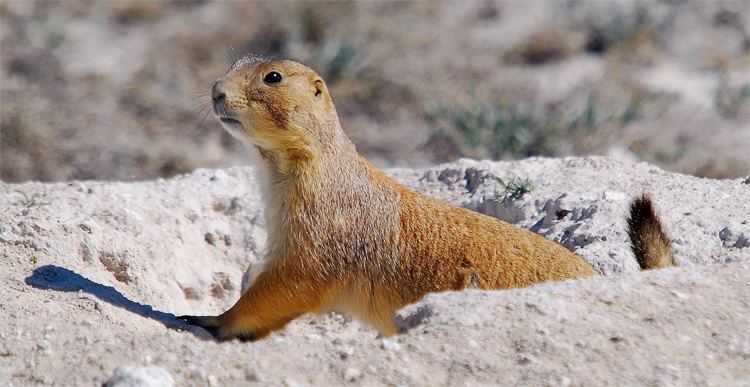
{"points": [[343, 236]]}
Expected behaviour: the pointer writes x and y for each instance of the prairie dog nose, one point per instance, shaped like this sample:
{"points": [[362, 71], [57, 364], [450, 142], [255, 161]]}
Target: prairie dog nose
{"points": [[218, 94]]}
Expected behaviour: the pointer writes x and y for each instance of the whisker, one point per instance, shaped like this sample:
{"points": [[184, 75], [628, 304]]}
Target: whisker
{"points": [[201, 94], [201, 105], [200, 97], [197, 98], [200, 124]]}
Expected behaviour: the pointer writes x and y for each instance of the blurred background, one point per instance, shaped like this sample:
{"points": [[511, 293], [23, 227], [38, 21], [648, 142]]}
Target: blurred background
{"points": [[119, 89]]}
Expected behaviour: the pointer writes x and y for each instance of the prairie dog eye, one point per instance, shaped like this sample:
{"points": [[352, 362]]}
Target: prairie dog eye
{"points": [[272, 77]]}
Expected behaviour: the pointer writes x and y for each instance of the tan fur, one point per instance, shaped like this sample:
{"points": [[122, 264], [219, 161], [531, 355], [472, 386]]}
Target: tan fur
{"points": [[341, 234]]}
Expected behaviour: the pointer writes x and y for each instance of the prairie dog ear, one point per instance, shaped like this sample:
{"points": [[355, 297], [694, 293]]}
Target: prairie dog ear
{"points": [[319, 86]]}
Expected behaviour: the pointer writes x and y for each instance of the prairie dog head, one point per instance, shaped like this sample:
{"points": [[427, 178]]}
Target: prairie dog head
{"points": [[280, 106]]}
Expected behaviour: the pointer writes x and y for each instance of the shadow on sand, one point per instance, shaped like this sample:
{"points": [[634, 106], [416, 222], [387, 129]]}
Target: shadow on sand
{"points": [[64, 280]]}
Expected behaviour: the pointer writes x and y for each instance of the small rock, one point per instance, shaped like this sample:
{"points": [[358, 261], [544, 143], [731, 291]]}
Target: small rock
{"points": [[251, 376], [346, 352], [218, 175], [523, 360], [616, 339], [351, 374], [150, 376], [742, 242], [536, 308], [88, 226], [210, 239], [289, 382], [213, 381], [615, 196], [234, 205], [389, 345], [8, 237], [42, 344], [727, 236], [679, 295], [731, 237]]}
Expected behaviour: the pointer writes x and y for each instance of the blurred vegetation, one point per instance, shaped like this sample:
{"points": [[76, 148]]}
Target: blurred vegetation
{"points": [[119, 90]]}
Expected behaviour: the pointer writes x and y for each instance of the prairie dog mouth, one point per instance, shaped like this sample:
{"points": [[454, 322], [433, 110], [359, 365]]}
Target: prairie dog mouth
{"points": [[229, 121], [234, 127]]}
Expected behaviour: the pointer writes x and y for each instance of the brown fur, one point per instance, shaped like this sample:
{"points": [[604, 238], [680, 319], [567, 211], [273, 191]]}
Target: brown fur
{"points": [[648, 240], [341, 234]]}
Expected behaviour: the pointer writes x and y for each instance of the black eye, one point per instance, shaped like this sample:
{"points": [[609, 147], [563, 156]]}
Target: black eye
{"points": [[272, 77]]}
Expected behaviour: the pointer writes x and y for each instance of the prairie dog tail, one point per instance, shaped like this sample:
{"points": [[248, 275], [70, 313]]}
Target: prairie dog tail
{"points": [[648, 240]]}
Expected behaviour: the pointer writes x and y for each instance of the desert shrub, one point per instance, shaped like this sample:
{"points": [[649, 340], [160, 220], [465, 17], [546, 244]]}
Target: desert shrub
{"points": [[499, 132], [628, 31], [733, 101], [546, 45], [585, 124]]}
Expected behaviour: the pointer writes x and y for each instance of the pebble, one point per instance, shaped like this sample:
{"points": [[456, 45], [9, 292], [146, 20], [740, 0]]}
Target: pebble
{"points": [[150, 376], [742, 242], [351, 374], [346, 352], [251, 376], [218, 175], [679, 295], [313, 336], [289, 382], [389, 345], [615, 196], [42, 344], [8, 237]]}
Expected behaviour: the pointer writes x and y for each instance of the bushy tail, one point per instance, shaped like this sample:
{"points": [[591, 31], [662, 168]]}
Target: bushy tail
{"points": [[648, 240]]}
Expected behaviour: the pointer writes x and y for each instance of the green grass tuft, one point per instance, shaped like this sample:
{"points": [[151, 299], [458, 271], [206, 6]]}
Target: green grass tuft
{"points": [[514, 189]]}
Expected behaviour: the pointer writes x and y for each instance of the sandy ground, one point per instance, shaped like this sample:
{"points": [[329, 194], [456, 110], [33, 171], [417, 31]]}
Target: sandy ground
{"points": [[92, 274]]}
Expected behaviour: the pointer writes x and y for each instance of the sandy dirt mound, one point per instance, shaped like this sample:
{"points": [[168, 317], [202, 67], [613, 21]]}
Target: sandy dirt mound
{"points": [[92, 274]]}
